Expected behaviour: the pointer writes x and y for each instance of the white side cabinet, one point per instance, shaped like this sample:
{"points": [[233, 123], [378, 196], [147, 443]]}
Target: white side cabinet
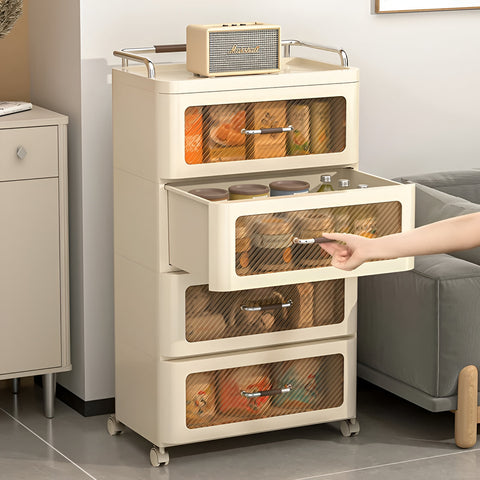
{"points": [[34, 286]]}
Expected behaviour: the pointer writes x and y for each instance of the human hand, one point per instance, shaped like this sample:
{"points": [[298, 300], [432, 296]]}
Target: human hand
{"points": [[350, 253]]}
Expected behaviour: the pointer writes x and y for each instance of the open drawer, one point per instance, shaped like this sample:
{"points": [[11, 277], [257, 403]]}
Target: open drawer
{"points": [[244, 244], [196, 321], [176, 125], [214, 397]]}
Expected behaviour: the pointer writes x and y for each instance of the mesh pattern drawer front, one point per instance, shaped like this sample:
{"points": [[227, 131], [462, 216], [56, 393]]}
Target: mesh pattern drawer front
{"points": [[263, 391], [215, 315], [270, 236], [216, 133]]}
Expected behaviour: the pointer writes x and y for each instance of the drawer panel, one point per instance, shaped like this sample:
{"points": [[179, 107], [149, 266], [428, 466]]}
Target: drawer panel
{"points": [[243, 244], [263, 390], [197, 321], [199, 135], [28, 153]]}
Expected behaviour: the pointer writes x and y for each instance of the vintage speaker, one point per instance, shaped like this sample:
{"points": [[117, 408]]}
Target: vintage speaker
{"points": [[233, 49]]}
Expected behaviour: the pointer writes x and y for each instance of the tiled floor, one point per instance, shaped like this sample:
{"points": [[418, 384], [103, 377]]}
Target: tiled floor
{"points": [[397, 441]]}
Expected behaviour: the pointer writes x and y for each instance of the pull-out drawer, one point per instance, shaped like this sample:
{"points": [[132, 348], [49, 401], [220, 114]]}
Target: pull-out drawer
{"points": [[244, 244], [197, 321], [263, 390], [28, 153], [170, 128]]}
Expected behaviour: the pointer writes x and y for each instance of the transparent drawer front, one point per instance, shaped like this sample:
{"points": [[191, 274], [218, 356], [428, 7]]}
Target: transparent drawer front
{"points": [[262, 391], [241, 131], [265, 243], [215, 315]]}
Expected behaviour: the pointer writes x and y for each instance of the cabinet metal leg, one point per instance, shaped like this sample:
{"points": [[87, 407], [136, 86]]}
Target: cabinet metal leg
{"points": [[15, 385], [49, 387]]}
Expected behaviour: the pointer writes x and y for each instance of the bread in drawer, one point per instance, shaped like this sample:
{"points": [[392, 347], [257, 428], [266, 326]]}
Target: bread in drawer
{"points": [[30, 152], [204, 235]]}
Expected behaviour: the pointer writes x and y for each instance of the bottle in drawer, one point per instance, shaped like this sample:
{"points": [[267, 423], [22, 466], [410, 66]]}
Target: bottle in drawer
{"points": [[264, 115], [272, 243], [320, 115], [200, 399], [312, 224], [222, 126], [234, 387], [298, 115]]}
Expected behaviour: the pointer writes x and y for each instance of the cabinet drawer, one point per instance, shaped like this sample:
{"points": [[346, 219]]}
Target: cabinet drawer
{"points": [[299, 385], [28, 153], [243, 244], [197, 321], [200, 135]]}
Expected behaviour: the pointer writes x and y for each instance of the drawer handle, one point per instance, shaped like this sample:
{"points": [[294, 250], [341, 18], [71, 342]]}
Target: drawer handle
{"points": [[309, 241], [275, 306], [263, 131], [21, 152], [267, 393]]}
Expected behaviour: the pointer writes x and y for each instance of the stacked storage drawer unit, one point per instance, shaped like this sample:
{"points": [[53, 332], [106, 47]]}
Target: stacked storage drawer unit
{"points": [[223, 325]]}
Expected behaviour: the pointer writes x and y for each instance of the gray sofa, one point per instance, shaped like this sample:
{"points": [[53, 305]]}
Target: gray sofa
{"points": [[417, 330]]}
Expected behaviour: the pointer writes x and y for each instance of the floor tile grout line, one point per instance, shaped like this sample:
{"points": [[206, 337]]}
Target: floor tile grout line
{"points": [[382, 465], [50, 445]]}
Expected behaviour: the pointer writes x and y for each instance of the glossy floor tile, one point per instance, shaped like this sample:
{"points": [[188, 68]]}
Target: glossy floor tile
{"points": [[397, 441]]}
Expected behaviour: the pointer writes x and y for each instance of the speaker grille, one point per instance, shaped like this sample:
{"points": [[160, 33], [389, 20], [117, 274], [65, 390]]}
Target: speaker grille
{"points": [[223, 46]]}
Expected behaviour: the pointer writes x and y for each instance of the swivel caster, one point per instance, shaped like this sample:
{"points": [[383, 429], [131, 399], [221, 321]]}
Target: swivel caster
{"points": [[350, 427], [114, 427], [158, 456]]}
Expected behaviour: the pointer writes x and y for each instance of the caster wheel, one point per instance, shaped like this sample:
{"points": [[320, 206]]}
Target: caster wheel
{"points": [[349, 428], [158, 457], [114, 427]]}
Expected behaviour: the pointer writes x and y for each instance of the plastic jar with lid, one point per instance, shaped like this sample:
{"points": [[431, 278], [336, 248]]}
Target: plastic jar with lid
{"points": [[212, 194], [247, 190], [288, 187]]}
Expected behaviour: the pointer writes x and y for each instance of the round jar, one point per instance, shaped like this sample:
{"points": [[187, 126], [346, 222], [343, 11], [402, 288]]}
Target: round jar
{"points": [[212, 194], [272, 244], [288, 187], [247, 190]]}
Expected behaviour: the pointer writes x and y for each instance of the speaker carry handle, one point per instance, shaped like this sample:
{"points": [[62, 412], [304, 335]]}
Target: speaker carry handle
{"points": [[136, 54]]}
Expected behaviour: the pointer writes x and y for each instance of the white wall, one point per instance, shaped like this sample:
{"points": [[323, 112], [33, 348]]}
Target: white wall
{"points": [[419, 108]]}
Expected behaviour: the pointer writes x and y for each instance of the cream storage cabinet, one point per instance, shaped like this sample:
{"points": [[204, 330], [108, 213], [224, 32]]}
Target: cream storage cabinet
{"points": [[34, 305], [229, 320]]}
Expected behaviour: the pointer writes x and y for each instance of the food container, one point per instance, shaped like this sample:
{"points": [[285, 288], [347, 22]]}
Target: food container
{"points": [[298, 116], [223, 127], [243, 244], [288, 187], [320, 126], [248, 190], [193, 135], [265, 115], [272, 243], [212, 194], [200, 399]]}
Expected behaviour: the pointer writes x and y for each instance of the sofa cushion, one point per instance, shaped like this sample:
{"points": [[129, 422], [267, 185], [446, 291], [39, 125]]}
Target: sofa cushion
{"points": [[432, 206], [461, 183]]}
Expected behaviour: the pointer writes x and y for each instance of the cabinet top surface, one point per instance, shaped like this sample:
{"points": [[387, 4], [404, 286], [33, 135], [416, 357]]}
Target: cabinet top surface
{"points": [[35, 117], [175, 78]]}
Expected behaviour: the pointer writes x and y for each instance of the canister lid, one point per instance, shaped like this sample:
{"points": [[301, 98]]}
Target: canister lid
{"points": [[248, 189], [289, 185], [213, 194]]}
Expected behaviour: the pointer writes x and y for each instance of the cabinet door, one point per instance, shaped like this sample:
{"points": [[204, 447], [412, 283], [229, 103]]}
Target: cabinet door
{"points": [[29, 276]]}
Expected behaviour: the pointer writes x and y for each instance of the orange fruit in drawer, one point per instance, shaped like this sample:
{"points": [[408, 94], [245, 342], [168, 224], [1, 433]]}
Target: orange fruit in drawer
{"points": [[227, 135]]}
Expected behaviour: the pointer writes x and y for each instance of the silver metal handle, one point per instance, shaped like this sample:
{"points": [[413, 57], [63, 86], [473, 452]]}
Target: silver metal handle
{"points": [[134, 54], [275, 306], [264, 131], [287, 44], [21, 152], [309, 241], [267, 393]]}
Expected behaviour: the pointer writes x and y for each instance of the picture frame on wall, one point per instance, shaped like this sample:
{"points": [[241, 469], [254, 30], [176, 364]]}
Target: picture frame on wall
{"points": [[394, 6]]}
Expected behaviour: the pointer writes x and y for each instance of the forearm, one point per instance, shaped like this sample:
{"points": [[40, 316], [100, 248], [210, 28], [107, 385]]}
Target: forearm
{"points": [[457, 233]]}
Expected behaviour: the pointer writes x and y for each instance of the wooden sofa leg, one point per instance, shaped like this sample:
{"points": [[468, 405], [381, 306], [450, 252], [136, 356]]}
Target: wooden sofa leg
{"points": [[466, 416]]}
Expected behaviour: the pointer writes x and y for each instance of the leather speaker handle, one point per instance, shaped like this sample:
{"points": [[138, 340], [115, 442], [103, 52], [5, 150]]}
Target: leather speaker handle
{"points": [[179, 47]]}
